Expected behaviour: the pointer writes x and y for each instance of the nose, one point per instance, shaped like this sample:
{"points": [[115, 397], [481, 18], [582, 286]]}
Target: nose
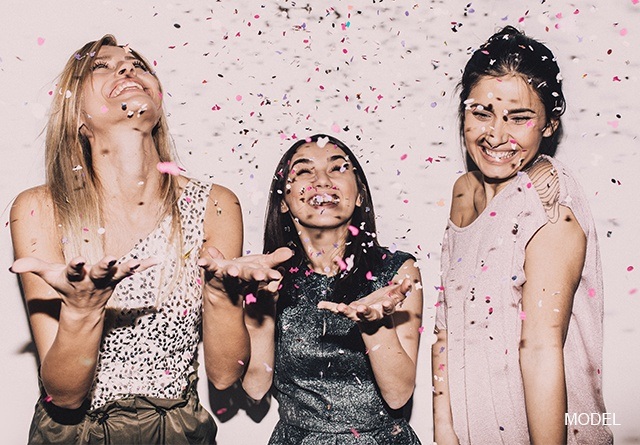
{"points": [[127, 68], [322, 179], [498, 132]]}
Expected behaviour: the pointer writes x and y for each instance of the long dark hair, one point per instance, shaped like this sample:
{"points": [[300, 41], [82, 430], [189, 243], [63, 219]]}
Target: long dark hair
{"points": [[280, 231], [509, 51]]}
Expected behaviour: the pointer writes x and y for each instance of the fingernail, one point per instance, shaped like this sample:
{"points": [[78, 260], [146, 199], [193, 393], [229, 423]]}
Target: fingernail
{"points": [[111, 263], [134, 267], [80, 265], [11, 269]]}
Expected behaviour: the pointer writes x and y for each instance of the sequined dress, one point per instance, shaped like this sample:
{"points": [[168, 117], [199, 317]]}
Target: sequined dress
{"points": [[322, 378]]}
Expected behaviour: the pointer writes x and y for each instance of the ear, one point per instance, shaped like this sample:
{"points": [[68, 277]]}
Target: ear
{"points": [[284, 208], [550, 128]]}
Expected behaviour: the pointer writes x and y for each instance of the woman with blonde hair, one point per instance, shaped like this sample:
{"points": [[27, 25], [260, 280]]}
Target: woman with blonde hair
{"points": [[108, 252]]}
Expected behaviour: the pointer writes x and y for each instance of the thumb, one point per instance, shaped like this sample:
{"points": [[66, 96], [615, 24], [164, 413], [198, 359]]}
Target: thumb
{"points": [[28, 264], [215, 253], [279, 256]]}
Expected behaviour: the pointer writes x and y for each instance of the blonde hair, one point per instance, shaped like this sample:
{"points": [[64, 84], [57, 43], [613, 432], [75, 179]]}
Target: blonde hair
{"points": [[75, 189]]}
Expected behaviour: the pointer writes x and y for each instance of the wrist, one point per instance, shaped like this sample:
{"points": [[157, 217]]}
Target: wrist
{"points": [[373, 327]]}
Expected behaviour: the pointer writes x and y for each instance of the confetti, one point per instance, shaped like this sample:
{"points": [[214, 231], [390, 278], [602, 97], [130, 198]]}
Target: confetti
{"points": [[169, 168]]}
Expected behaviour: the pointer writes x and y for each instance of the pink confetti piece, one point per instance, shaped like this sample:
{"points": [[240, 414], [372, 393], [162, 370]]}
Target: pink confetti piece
{"points": [[633, 291], [48, 399], [592, 292], [629, 269], [216, 107], [355, 433], [169, 168], [336, 128], [492, 214], [614, 124], [354, 230], [635, 2], [221, 411], [241, 362], [403, 157], [420, 329], [369, 276], [523, 315], [238, 98], [40, 41], [623, 32], [250, 299]]}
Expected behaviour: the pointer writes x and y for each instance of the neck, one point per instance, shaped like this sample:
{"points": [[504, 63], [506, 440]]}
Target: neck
{"points": [[324, 247], [125, 162]]}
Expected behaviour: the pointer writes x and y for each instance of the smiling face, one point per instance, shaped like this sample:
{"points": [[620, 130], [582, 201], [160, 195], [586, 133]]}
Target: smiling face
{"points": [[321, 189], [504, 124], [120, 88]]}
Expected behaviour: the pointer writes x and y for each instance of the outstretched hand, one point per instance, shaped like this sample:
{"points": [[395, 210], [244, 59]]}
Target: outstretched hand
{"points": [[80, 285], [235, 278], [375, 306]]}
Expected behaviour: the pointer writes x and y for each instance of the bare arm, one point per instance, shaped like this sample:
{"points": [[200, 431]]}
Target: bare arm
{"points": [[66, 302], [554, 259], [443, 432], [390, 333], [260, 320], [224, 336]]}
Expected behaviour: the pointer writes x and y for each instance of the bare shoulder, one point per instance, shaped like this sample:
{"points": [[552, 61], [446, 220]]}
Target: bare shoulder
{"points": [[34, 203], [462, 200], [33, 225], [545, 179], [223, 195], [223, 222]]}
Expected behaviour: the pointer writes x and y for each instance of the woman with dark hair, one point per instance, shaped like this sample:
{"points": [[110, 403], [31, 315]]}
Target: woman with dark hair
{"points": [[108, 252], [346, 317], [519, 320]]}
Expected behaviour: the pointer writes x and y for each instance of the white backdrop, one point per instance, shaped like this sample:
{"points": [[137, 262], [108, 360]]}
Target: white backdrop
{"points": [[244, 79]]}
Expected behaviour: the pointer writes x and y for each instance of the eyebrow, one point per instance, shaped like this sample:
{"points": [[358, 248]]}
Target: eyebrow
{"points": [[111, 57], [522, 110], [310, 161], [514, 111]]}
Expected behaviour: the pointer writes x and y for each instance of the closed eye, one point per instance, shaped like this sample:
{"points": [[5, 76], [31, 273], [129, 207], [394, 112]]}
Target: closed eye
{"points": [[139, 64], [100, 65]]}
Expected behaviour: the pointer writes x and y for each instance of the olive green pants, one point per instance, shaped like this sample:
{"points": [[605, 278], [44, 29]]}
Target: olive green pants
{"points": [[134, 420]]}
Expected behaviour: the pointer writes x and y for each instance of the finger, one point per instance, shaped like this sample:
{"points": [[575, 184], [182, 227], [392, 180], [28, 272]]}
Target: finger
{"points": [[278, 256], [365, 313], [328, 305], [76, 270], [400, 291], [388, 307], [129, 268], [214, 253], [103, 269], [28, 264]]}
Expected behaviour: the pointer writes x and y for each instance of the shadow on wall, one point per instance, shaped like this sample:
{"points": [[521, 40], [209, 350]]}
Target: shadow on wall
{"points": [[227, 403]]}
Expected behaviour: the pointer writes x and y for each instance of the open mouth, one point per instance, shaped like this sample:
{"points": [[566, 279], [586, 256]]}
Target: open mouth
{"points": [[126, 85], [323, 199], [499, 155]]}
